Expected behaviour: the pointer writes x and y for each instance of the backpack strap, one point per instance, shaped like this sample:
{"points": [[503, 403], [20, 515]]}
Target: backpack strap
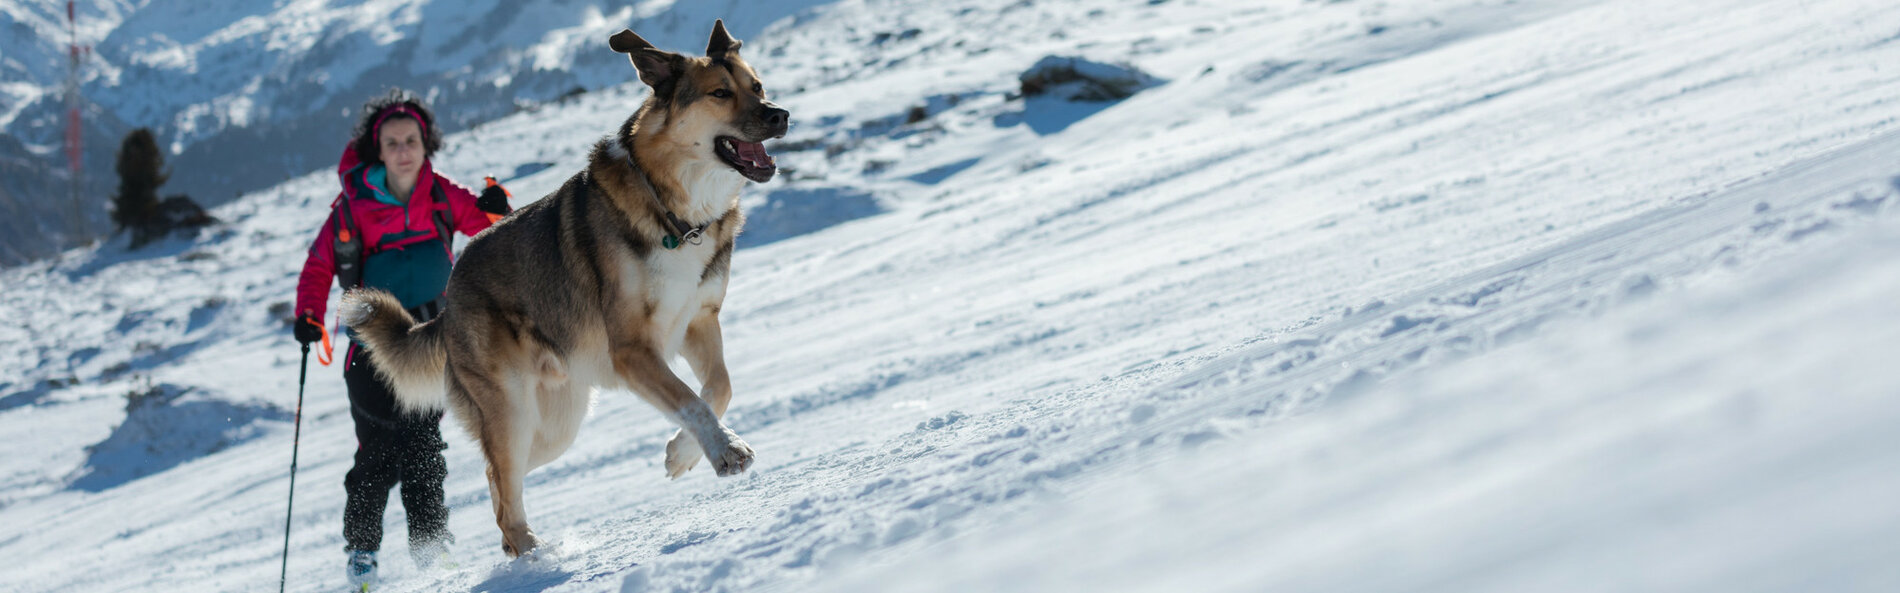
{"points": [[443, 230], [347, 243]]}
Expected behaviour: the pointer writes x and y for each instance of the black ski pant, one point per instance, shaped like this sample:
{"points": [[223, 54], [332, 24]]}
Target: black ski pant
{"points": [[392, 447]]}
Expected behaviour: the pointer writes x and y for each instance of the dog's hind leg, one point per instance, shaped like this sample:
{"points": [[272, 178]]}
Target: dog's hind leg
{"points": [[705, 351], [506, 432], [646, 374]]}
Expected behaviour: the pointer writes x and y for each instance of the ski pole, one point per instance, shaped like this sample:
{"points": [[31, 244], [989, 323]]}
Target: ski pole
{"points": [[303, 371]]}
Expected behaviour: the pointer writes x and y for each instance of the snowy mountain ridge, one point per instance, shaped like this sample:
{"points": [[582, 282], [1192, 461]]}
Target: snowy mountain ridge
{"points": [[245, 94], [1460, 295]]}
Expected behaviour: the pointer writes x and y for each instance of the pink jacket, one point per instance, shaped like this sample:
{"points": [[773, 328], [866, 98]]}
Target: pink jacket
{"points": [[375, 219]]}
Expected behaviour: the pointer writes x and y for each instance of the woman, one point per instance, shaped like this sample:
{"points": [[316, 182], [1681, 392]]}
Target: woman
{"points": [[391, 228]]}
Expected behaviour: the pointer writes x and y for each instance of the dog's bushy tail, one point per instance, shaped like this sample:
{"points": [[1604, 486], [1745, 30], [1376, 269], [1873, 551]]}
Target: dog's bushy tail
{"points": [[411, 357]]}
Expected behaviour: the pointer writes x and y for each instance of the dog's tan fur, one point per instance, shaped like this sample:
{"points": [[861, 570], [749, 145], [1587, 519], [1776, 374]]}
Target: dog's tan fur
{"points": [[577, 291]]}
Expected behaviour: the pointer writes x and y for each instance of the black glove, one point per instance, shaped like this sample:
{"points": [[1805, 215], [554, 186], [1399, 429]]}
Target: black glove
{"points": [[308, 329], [494, 200]]}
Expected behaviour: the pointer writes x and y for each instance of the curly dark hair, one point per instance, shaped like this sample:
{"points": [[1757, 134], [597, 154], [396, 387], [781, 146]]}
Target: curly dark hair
{"points": [[364, 137]]}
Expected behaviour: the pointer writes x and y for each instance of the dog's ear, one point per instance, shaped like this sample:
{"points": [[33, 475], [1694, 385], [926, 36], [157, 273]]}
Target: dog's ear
{"points": [[626, 41], [655, 65], [722, 42]]}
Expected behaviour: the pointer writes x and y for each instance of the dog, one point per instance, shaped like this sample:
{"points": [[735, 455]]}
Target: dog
{"points": [[597, 285]]}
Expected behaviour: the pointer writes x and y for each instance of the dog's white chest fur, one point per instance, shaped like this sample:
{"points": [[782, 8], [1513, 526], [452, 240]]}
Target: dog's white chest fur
{"points": [[714, 187], [675, 276], [673, 288]]}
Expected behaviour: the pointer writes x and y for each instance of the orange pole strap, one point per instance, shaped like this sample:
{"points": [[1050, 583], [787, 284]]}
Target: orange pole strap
{"points": [[328, 352]]}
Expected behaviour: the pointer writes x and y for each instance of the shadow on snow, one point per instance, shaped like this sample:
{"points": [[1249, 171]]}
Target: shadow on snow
{"points": [[165, 426]]}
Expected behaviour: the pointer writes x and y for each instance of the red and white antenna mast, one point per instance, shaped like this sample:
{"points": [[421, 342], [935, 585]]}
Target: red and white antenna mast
{"points": [[75, 53]]}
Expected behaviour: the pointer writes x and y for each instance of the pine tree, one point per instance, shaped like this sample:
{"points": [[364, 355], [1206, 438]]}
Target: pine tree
{"points": [[141, 171]]}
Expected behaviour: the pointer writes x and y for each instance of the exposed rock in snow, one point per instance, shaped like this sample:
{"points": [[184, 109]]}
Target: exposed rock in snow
{"points": [[1078, 79]]}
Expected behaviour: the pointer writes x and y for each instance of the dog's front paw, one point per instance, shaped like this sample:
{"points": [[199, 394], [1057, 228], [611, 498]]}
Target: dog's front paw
{"points": [[735, 459], [682, 453]]}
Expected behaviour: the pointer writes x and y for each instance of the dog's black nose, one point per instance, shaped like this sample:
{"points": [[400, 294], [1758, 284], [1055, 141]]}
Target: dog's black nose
{"points": [[776, 118]]}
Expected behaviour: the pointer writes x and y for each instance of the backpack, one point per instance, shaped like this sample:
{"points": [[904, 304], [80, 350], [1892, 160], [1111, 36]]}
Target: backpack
{"points": [[348, 240]]}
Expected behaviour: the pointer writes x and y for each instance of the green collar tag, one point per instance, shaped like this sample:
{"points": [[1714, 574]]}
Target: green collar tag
{"points": [[671, 242]]}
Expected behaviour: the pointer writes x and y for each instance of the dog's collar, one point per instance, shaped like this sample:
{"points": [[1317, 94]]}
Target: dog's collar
{"points": [[686, 233]]}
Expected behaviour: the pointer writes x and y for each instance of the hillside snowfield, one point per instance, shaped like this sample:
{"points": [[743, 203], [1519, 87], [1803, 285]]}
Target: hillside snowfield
{"points": [[1457, 295]]}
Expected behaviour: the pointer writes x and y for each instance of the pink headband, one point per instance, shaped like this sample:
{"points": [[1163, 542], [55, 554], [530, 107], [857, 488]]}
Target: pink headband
{"points": [[398, 108]]}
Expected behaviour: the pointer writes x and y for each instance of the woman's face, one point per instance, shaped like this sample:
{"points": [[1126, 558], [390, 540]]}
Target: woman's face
{"points": [[401, 145]]}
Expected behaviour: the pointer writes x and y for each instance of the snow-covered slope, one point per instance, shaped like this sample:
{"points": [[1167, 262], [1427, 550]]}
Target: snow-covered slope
{"points": [[1454, 295], [1731, 435]]}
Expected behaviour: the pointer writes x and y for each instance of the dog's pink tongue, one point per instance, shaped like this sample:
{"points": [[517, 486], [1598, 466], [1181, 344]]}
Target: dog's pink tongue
{"points": [[754, 152]]}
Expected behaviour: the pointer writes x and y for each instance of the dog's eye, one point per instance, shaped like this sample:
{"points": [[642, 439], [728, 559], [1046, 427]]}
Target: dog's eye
{"points": [[722, 93], [758, 89]]}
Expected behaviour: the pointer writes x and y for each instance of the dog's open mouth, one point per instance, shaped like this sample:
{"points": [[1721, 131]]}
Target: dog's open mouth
{"points": [[749, 158]]}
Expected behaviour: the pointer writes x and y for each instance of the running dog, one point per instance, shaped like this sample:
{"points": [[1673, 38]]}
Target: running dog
{"points": [[597, 285]]}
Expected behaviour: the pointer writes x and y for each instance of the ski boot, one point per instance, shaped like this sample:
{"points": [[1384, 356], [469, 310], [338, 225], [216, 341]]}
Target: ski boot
{"points": [[361, 570]]}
